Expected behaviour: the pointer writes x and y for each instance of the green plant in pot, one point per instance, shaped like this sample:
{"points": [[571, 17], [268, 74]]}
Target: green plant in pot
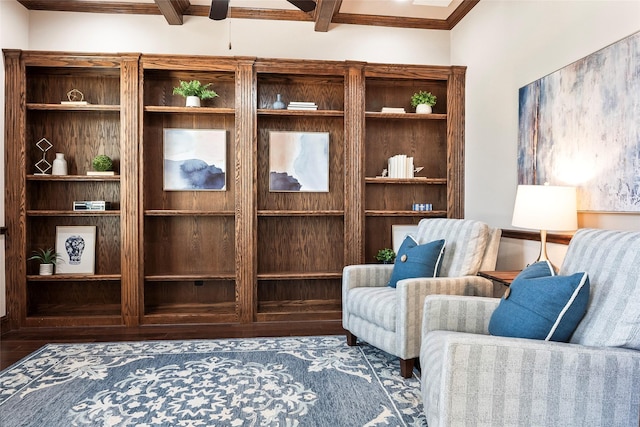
{"points": [[386, 256], [102, 163], [47, 259], [423, 101], [194, 91]]}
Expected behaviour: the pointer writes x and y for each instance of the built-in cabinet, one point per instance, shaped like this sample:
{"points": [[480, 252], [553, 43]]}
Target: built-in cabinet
{"points": [[245, 254]]}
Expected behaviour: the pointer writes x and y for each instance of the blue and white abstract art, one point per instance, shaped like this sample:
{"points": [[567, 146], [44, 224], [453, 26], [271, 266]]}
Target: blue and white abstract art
{"points": [[580, 126], [299, 161], [195, 159]]}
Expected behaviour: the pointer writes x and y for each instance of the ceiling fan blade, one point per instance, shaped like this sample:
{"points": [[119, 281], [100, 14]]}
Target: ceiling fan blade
{"points": [[304, 5], [219, 10]]}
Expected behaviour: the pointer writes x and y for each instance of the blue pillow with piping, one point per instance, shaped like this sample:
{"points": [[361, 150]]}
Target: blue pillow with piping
{"points": [[414, 260], [541, 305]]}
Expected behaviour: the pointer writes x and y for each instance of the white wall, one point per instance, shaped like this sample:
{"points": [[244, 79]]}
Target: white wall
{"points": [[507, 44], [14, 33]]}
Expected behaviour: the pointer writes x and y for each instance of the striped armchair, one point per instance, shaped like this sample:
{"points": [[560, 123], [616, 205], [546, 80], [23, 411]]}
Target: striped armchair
{"points": [[390, 318], [470, 378]]}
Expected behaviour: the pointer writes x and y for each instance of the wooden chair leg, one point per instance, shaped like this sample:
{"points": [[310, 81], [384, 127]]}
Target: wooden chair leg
{"points": [[351, 339], [406, 367]]}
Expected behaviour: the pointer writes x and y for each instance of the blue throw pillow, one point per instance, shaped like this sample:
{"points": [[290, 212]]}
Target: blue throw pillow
{"points": [[414, 260], [541, 305]]}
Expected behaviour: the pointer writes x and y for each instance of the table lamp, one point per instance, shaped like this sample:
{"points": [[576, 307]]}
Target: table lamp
{"points": [[545, 207]]}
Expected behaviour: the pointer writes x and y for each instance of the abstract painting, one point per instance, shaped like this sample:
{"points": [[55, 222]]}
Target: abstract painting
{"points": [[195, 159], [298, 161], [580, 126]]}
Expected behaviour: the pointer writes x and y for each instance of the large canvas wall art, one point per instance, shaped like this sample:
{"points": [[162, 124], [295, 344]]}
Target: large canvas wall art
{"points": [[299, 161], [195, 159], [580, 126]]}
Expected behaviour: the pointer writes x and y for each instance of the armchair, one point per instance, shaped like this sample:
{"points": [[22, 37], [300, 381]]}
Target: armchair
{"points": [[390, 318], [471, 378]]}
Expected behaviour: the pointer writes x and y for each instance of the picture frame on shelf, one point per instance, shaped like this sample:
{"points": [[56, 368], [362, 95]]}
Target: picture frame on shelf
{"points": [[195, 160], [77, 248], [299, 162], [399, 232]]}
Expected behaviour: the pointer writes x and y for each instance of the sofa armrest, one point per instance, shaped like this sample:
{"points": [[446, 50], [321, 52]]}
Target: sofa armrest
{"points": [[458, 313], [470, 379], [410, 297], [369, 275]]}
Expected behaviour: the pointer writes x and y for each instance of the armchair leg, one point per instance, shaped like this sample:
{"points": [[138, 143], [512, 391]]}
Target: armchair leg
{"points": [[352, 340], [406, 367]]}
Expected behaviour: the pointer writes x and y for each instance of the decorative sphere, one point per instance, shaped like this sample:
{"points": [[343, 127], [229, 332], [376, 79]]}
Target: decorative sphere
{"points": [[102, 163]]}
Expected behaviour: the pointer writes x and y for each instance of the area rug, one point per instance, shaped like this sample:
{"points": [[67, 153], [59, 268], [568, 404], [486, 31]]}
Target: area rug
{"points": [[293, 381]]}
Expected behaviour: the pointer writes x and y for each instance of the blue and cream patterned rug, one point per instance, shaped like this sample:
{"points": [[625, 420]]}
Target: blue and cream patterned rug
{"points": [[293, 381]]}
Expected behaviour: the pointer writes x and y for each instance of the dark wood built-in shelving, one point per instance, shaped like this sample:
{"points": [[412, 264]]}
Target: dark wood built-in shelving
{"points": [[240, 256]]}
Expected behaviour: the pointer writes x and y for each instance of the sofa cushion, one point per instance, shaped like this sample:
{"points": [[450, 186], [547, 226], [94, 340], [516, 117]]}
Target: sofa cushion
{"points": [[414, 260], [541, 305]]}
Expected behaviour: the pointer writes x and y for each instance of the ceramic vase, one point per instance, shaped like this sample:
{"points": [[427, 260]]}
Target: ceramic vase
{"points": [[59, 165], [279, 104], [423, 109]]}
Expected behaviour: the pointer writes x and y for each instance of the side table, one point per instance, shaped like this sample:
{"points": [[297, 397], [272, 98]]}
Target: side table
{"points": [[502, 277]]}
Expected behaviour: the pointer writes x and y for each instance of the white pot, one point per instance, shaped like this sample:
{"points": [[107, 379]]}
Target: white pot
{"points": [[46, 269], [423, 109], [193, 101]]}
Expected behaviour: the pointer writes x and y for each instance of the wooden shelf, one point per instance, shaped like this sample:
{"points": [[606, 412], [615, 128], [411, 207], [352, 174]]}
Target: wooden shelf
{"points": [[404, 116], [188, 277], [297, 276], [434, 214], [74, 278], [73, 178], [64, 107], [188, 110], [300, 113], [32, 212], [276, 213], [404, 181], [186, 212]]}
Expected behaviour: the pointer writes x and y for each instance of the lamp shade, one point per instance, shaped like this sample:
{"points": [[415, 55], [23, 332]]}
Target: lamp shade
{"points": [[545, 207]]}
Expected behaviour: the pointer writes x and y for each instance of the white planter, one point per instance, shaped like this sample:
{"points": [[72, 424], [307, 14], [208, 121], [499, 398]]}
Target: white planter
{"points": [[193, 101], [423, 109], [46, 269]]}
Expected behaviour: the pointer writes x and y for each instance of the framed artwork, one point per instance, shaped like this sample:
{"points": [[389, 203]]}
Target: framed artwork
{"points": [[399, 232], [195, 160], [298, 161], [580, 126], [77, 248]]}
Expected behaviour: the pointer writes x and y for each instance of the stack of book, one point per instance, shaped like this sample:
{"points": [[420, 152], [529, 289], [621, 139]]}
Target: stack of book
{"points": [[400, 166], [298, 105], [395, 110]]}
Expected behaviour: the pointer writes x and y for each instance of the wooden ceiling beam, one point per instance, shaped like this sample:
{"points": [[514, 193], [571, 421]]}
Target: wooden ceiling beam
{"points": [[325, 10], [173, 10], [324, 15]]}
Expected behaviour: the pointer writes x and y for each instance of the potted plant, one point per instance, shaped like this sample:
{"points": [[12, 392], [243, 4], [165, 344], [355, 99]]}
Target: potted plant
{"points": [[194, 91], [386, 256], [423, 101], [47, 258]]}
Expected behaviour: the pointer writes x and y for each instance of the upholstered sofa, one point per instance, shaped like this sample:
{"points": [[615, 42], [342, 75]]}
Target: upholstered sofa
{"points": [[470, 378], [390, 318]]}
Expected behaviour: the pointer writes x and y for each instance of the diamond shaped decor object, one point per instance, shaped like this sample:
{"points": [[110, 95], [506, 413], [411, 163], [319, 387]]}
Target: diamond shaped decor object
{"points": [[44, 145], [43, 166]]}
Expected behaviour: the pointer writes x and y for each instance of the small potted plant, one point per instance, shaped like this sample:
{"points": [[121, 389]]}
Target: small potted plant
{"points": [[386, 256], [194, 91], [423, 101], [47, 258]]}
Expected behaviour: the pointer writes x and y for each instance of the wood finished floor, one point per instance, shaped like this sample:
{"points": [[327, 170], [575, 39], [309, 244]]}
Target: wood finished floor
{"points": [[15, 345]]}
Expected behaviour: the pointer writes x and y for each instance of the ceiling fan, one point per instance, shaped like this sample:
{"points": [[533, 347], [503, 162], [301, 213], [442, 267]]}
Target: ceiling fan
{"points": [[220, 8]]}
